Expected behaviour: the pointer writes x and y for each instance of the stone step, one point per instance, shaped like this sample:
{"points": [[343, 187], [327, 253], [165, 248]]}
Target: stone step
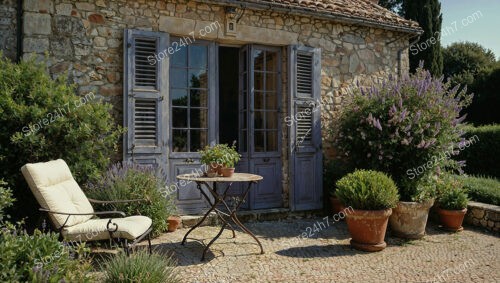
{"points": [[272, 214]]}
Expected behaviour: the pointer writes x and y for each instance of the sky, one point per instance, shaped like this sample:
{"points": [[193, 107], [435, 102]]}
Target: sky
{"points": [[472, 20]]}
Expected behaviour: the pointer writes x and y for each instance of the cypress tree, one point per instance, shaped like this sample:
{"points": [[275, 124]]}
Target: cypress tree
{"points": [[428, 14]]}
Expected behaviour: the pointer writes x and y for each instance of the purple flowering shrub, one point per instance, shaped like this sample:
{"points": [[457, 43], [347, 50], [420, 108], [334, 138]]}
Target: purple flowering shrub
{"points": [[129, 181], [399, 125]]}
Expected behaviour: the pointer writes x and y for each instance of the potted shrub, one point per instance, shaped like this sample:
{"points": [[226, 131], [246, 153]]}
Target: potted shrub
{"points": [[371, 195], [409, 128], [229, 159], [409, 217], [452, 204]]}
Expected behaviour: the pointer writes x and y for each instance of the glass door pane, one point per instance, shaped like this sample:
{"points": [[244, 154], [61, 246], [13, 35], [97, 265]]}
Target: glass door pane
{"points": [[189, 98], [265, 100]]}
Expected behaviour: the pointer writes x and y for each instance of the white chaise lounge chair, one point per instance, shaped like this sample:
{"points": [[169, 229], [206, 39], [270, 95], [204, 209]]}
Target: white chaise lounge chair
{"points": [[71, 213]]}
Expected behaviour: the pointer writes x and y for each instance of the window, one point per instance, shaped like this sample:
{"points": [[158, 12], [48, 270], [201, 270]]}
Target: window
{"points": [[189, 97]]}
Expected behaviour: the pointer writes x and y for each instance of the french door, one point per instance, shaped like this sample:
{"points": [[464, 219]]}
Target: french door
{"points": [[191, 122], [259, 123]]}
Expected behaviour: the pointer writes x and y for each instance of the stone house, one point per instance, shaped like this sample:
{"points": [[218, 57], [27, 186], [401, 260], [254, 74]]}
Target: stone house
{"points": [[269, 74]]}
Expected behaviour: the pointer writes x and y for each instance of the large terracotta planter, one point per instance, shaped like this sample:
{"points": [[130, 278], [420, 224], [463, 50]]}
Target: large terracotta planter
{"points": [[409, 219], [452, 219], [337, 206], [367, 229]]}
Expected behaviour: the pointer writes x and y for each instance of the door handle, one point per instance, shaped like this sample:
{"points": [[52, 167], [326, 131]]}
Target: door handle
{"points": [[189, 160], [266, 159]]}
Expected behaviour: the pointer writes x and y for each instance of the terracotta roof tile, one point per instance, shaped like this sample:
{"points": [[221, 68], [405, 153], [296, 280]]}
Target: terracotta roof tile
{"points": [[364, 10]]}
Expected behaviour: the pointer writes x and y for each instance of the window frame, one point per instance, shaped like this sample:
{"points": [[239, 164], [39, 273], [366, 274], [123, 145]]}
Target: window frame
{"points": [[211, 101]]}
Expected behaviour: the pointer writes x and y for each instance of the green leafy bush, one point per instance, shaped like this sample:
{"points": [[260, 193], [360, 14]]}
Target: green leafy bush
{"points": [[455, 199], [408, 128], [481, 189], [43, 119], [451, 194], [482, 153], [334, 170], [38, 258], [367, 190], [126, 181], [140, 267], [6, 198]]}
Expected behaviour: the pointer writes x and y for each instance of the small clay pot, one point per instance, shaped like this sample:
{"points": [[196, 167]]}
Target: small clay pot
{"points": [[173, 222], [227, 172], [452, 219], [367, 229], [214, 168]]}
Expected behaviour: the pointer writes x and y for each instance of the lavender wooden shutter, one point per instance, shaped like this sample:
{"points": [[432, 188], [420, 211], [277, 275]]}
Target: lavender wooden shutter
{"points": [[305, 128], [145, 98]]}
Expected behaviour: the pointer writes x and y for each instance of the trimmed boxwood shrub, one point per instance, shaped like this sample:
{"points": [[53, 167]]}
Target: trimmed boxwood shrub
{"points": [[486, 190], [43, 119], [408, 128], [367, 190], [482, 155]]}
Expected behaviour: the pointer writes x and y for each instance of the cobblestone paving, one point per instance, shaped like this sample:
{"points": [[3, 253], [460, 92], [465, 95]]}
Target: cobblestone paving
{"points": [[469, 256]]}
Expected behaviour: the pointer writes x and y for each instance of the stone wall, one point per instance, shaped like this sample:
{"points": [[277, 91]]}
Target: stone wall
{"points": [[483, 215], [84, 40], [8, 28]]}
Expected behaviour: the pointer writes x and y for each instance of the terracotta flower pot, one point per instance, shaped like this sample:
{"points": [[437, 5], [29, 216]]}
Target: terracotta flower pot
{"points": [[452, 219], [173, 222], [227, 172], [409, 219], [367, 229], [337, 206], [214, 168]]}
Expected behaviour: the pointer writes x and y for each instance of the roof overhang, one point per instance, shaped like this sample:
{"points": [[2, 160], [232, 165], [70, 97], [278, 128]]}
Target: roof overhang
{"points": [[304, 11]]}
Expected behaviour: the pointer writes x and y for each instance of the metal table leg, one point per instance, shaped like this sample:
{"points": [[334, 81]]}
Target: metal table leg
{"points": [[212, 241], [203, 218], [237, 221]]}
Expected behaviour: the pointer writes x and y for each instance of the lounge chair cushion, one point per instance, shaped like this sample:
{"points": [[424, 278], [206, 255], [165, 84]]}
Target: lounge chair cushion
{"points": [[55, 189], [95, 229]]}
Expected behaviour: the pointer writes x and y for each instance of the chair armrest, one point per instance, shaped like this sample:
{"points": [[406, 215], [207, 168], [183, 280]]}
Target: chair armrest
{"points": [[79, 214], [116, 201]]}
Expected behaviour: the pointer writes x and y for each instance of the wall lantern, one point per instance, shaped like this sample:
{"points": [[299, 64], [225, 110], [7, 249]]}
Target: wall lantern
{"points": [[233, 16]]}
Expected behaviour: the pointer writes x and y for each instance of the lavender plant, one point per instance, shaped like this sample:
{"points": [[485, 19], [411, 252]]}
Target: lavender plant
{"points": [[397, 125], [127, 181]]}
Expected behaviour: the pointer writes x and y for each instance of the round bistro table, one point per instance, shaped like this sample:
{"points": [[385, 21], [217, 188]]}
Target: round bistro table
{"points": [[219, 199]]}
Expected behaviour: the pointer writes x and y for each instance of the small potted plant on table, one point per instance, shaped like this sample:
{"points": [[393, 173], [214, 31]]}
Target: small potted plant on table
{"points": [[220, 159], [212, 157], [452, 204], [229, 159], [371, 195]]}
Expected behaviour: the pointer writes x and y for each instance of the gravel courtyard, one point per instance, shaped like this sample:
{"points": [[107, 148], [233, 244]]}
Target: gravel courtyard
{"points": [[325, 255]]}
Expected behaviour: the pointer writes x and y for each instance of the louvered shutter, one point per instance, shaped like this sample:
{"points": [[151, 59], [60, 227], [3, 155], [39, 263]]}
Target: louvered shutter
{"points": [[145, 98], [305, 131]]}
